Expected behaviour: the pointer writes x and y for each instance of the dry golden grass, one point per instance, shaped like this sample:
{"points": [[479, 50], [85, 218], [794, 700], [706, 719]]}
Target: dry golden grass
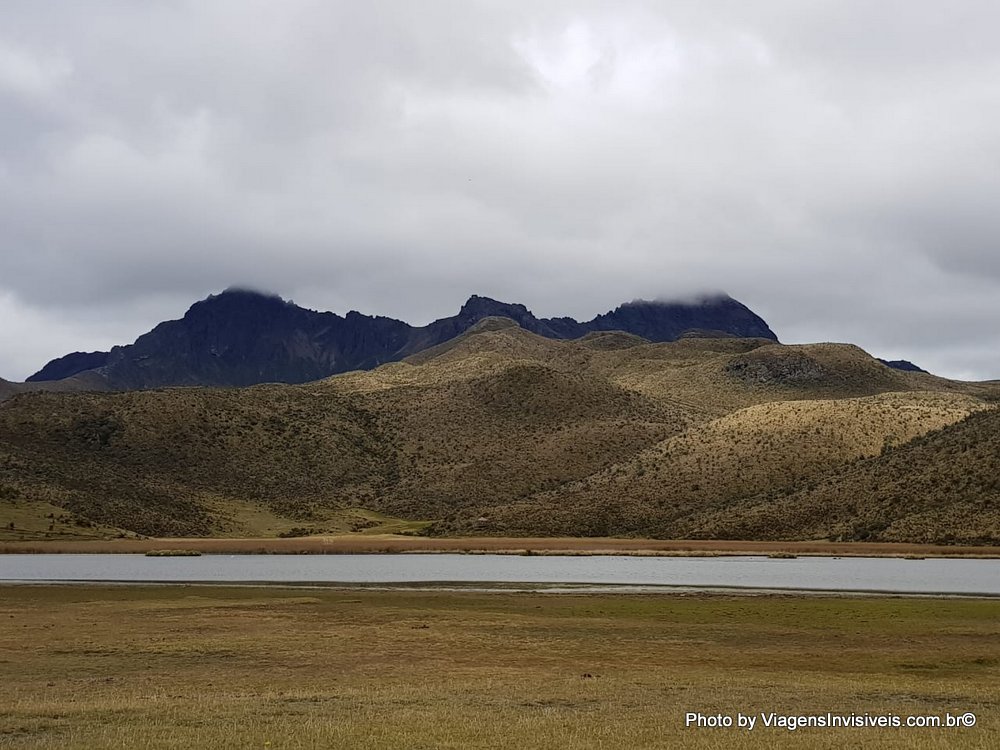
{"points": [[509, 434], [39, 520], [697, 374], [719, 376], [188, 461], [391, 543], [940, 488], [181, 667], [668, 489]]}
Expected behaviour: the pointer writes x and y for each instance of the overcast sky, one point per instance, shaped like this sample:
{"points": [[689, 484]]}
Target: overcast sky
{"points": [[833, 164]]}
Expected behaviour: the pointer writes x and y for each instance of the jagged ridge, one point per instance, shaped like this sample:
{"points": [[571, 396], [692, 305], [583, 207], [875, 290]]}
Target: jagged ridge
{"points": [[242, 337]]}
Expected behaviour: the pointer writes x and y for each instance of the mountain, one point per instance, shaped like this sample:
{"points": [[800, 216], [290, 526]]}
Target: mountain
{"points": [[503, 431], [902, 364], [242, 337], [69, 365], [668, 321]]}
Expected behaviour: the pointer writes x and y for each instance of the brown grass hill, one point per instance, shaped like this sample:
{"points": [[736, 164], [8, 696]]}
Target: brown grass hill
{"points": [[835, 368], [499, 414], [708, 376], [184, 461], [716, 376], [487, 422], [943, 487], [612, 340], [500, 417], [666, 489], [7, 389], [608, 433], [85, 381], [482, 420]]}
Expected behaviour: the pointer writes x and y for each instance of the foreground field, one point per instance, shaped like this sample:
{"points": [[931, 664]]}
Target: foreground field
{"points": [[182, 667]]}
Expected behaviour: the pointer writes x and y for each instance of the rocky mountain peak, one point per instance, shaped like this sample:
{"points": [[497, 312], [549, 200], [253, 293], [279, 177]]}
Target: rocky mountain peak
{"points": [[243, 336]]}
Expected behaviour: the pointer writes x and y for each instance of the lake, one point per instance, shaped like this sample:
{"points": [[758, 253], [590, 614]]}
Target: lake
{"points": [[860, 574]]}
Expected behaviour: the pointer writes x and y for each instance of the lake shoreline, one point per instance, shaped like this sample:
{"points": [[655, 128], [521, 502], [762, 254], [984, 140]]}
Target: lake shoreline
{"points": [[565, 546], [545, 573], [528, 589]]}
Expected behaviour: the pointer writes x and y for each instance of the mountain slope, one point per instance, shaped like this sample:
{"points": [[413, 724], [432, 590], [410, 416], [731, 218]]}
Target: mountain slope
{"points": [[668, 321], [88, 380], [902, 364], [241, 337], [500, 412], [500, 430], [941, 488], [69, 365], [7, 389], [171, 462], [671, 488]]}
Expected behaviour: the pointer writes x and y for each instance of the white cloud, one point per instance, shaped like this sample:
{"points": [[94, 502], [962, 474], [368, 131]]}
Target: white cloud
{"points": [[831, 164]]}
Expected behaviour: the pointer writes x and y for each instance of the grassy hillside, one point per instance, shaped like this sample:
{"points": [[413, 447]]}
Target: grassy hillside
{"points": [[180, 461], [511, 433], [668, 489], [500, 413], [497, 431], [941, 488], [86, 381]]}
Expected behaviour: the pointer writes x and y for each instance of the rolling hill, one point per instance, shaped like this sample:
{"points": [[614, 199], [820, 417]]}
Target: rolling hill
{"points": [[181, 461], [943, 487], [669, 489], [501, 431]]}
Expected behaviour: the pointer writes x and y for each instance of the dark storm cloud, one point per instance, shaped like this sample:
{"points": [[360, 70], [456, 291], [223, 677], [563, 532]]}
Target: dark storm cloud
{"points": [[832, 164]]}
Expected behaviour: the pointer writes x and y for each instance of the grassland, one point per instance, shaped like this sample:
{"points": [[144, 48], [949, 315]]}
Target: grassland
{"points": [[182, 667]]}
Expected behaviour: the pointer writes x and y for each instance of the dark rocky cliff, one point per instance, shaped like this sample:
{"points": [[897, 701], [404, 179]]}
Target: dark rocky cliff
{"points": [[242, 337]]}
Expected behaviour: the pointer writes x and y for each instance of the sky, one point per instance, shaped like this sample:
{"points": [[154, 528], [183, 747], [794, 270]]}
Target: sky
{"points": [[835, 165]]}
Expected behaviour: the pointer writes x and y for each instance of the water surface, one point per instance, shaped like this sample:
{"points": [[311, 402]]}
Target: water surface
{"points": [[936, 576]]}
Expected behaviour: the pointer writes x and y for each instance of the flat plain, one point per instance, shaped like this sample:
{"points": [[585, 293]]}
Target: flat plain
{"points": [[296, 667]]}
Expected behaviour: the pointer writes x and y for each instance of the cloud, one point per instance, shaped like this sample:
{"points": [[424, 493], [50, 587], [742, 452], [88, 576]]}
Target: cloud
{"points": [[29, 334], [831, 164]]}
